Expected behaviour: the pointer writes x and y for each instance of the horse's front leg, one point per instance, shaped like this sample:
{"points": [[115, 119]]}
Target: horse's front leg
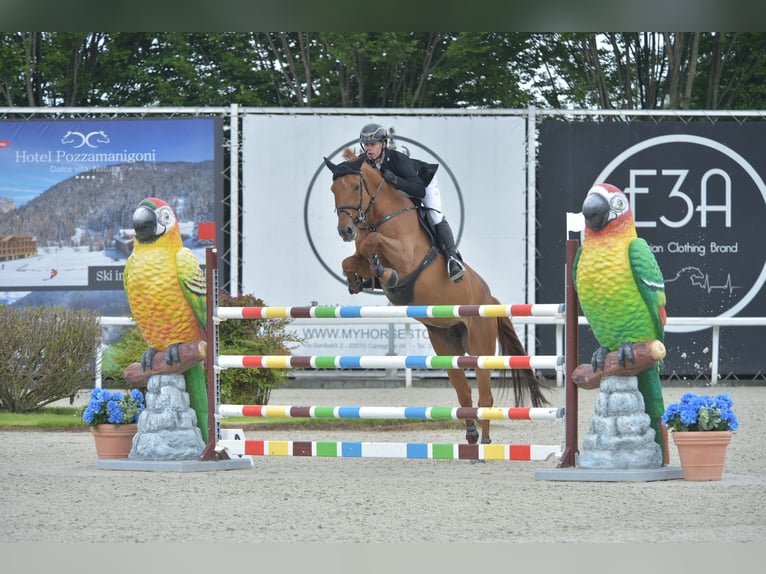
{"points": [[355, 269], [372, 247]]}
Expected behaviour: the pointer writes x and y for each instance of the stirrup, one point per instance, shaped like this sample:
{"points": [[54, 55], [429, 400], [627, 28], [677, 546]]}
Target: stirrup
{"points": [[455, 269]]}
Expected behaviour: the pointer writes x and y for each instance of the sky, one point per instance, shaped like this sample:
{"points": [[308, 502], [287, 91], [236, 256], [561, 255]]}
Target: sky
{"points": [[35, 155]]}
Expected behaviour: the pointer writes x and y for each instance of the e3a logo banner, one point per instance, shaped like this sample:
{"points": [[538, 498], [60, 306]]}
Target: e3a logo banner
{"points": [[698, 197]]}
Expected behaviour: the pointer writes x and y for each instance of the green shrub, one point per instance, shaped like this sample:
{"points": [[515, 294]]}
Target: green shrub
{"points": [[251, 337], [127, 350], [46, 354], [235, 337]]}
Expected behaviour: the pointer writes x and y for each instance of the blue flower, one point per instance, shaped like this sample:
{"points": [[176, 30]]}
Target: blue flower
{"points": [[113, 407], [701, 413]]}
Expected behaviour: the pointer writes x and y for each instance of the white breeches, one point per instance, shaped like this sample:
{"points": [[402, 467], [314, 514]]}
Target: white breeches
{"points": [[433, 201]]}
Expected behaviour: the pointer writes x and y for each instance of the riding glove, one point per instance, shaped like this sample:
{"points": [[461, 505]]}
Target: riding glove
{"points": [[390, 177]]}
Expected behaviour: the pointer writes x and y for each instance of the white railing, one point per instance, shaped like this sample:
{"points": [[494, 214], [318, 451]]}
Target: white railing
{"points": [[717, 323]]}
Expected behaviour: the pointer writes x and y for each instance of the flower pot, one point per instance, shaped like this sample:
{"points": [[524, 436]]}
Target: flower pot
{"points": [[113, 441], [702, 453]]}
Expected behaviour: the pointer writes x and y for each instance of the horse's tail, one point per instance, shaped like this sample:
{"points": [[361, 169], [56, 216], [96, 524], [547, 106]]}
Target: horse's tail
{"points": [[510, 344]]}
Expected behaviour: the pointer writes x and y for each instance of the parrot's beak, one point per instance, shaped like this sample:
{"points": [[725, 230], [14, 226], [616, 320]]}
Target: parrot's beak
{"points": [[145, 224], [595, 210]]}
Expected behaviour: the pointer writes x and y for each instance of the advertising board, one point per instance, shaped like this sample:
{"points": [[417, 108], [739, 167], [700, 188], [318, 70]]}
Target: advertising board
{"points": [[291, 250], [698, 198], [68, 189]]}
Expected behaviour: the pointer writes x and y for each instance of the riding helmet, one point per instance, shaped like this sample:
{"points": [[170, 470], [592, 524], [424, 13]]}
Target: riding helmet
{"points": [[372, 133]]}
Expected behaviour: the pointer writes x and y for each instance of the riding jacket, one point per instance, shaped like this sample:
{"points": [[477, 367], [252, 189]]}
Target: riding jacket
{"points": [[414, 175]]}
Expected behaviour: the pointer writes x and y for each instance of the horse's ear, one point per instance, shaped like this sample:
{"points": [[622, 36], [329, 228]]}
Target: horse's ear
{"points": [[330, 165], [349, 155]]}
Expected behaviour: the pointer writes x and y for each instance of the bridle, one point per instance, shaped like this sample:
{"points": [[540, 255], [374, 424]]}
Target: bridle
{"points": [[362, 218]]}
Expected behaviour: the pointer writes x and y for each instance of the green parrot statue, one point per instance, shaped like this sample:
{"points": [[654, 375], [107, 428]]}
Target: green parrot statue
{"points": [[166, 290], [621, 291]]}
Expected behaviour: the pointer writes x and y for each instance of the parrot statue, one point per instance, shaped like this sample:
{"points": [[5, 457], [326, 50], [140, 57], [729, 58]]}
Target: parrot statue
{"points": [[621, 291], [166, 290]]}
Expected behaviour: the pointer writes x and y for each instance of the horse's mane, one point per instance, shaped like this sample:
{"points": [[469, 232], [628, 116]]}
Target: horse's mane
{"points": [[353, 160]]}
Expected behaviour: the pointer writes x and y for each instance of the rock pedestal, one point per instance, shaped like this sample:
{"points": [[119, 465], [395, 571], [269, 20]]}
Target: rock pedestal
{"points": [[620, 436], [167, 429]]}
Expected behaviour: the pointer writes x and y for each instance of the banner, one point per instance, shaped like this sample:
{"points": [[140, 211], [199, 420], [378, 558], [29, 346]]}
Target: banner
{"points": [[291, 251], [68, 189], [698, 198]]}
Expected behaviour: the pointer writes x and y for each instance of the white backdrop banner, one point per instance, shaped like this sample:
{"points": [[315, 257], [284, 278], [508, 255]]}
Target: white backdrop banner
{"points": [[291, 251]]}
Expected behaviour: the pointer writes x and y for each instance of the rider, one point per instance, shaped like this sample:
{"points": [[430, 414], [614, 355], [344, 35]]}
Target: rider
{"points": [[416, 179]]}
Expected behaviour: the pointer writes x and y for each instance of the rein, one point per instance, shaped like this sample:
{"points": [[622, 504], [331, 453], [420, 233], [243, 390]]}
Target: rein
{"points": [[362, 220]]}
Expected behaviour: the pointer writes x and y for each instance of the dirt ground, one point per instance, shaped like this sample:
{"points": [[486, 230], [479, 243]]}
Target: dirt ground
{"points": [[52, 490]]}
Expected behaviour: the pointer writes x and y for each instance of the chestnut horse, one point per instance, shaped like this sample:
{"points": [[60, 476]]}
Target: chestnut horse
{"points": [[393, 245]]}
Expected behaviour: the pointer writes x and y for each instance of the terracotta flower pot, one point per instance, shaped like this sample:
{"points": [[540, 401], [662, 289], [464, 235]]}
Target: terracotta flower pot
{"points": [[113, 441], [702, 453]]}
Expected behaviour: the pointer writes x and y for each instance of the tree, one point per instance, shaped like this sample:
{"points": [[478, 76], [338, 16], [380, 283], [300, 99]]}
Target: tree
{"points": [[613, 70], [653, 70]]}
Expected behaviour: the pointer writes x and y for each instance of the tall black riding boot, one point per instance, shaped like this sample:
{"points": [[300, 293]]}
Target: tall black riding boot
{"points": [[455, 267]]}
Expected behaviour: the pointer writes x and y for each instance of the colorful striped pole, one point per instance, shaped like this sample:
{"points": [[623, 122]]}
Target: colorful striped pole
{"points": [[391, 311], [352, 449], [384, 362], [393, 413]]}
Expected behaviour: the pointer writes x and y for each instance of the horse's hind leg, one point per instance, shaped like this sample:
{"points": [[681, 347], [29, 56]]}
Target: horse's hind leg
{"points": [[486, 400], [481, 340], [460, 383], [449, 342]]}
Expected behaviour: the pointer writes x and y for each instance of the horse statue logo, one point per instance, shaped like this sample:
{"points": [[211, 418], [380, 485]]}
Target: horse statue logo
{"points": [[81, 139]]}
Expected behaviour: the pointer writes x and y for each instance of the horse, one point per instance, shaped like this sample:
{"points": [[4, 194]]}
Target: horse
{"points": [[394, 245]]}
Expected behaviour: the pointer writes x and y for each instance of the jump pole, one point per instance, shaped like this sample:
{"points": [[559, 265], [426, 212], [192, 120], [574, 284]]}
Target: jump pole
{"points": [[356, 449], [391, 311], [393, 413]]}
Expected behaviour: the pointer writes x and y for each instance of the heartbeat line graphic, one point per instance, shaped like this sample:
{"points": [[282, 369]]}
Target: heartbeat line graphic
{"points": [[702, 280]]}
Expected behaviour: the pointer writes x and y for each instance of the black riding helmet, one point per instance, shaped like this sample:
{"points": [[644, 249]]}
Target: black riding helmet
{"points": [[372, 133]]}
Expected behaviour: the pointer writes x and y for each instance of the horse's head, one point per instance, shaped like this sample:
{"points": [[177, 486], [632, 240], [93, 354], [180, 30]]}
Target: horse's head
{"points": [[69, 137], [350, 186]]}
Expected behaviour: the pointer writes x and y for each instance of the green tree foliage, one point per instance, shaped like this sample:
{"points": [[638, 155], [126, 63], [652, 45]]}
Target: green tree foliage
{"points": [[621, 70], [235, 337], [652, 70], [251, 337], [125, 351]]}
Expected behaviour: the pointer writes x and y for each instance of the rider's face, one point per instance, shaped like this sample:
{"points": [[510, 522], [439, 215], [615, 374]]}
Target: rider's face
{"points": [[374, 150]]}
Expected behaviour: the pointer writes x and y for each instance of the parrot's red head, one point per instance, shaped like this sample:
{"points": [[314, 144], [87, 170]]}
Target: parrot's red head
{"points": [[152, 219], [605, 204]]}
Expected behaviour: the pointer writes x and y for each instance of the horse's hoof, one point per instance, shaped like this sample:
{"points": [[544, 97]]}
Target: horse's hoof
{"points": [[354, 283], [471, 434], [390, 278]]}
